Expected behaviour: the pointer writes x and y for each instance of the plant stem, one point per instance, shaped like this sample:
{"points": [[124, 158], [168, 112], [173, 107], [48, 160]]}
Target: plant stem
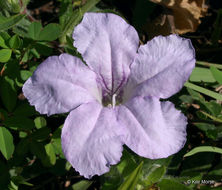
{"points": [[206, 64]]}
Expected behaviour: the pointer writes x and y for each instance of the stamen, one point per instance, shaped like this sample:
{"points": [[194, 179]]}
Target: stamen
{"points": [[114, 100]]}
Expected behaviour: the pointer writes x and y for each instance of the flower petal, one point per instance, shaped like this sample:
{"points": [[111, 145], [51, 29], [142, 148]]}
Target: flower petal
{"points": [[60, 84], [161, 67], [108, 45], [155, 129], [91, 139]]}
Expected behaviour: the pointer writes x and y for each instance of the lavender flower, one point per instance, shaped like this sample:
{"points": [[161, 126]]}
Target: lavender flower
{"points": [[114, 100]]}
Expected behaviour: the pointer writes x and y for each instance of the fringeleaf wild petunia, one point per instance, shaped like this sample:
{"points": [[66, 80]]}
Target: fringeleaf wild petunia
{"points": [[115, 98]]}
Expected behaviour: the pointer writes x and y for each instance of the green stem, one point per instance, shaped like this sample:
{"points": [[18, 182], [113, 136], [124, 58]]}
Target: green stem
{"points": [[211, 117], [205, 91], [206, 64]]}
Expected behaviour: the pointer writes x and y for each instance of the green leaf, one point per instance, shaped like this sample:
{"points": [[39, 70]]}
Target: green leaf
{"points": [[44, 152], [4, 175], [127, 164], [5, 55], [155, 175], [216, 34], [25, 74], [204, 91], [22, 28], [6, 23], [50, 32], [12, 186], [2, 43], [22, 147], [38, 149], [6, 143], [201, 74], [8, 93], [40, 122], [5, 36], [56, 142], [169, 184], [15, 42], [41, 134], [82, 185], [75, 18], [50, 153], [57, 147], [25, 110], [43, 49], [20, 180], [195, 95], [203, 149], [34, 30], [22, 134], [19, 123], [213, 107], [131, 181], [217, 74], [205, 126]]}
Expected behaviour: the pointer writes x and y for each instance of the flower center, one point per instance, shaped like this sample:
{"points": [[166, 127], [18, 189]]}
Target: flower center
{"points": [[111, 100]]}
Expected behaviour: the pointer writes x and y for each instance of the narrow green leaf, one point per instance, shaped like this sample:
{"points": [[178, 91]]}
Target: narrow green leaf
{"points": [[5, 55], [155, 175], [169, 184], [6, 23], [201, 74], [204, 91], [8, 93], [20, 180], [12, 186], [203, 149], [82, 185], [50, 32], [131, 181], [206, 64], [34, 30], [216, 74], [6, 143]]}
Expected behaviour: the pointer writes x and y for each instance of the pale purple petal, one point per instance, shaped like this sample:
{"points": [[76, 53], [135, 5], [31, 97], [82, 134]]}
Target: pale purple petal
{"points": [[161, 67], [91, 139], [155, 129], [60, 84], [108, 45]]}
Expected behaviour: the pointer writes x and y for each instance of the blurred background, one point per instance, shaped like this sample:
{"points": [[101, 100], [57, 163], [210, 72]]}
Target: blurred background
{"points": [[30, 145]]}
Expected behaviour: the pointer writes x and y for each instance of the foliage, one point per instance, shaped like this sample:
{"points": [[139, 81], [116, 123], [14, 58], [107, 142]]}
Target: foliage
{"points": [[31, 155]]}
